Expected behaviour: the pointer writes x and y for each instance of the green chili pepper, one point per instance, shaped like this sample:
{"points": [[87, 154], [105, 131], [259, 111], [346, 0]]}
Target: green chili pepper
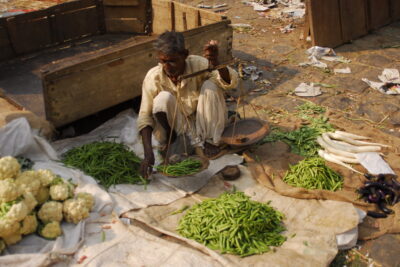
{"points": [[232, 223]]}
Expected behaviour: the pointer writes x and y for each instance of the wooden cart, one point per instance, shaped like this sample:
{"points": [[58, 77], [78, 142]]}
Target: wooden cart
{"points": [[78, 58]]}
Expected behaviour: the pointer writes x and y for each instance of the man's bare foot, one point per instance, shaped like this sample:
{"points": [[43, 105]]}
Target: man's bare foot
{"points": [[211, 150]]}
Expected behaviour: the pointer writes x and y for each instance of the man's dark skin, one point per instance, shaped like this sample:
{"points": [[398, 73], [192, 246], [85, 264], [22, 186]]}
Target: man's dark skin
{"points": [[174, 66]]}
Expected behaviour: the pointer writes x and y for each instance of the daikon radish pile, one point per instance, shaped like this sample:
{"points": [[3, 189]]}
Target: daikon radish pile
{"points": [[342, 147]]}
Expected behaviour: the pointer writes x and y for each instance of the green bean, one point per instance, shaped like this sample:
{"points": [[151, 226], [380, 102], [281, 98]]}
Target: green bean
{"points": [[186, 167], [312, 173], [109, 163], [238, 225]]}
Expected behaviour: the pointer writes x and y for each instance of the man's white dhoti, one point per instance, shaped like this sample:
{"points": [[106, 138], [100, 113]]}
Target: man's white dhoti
{"points": [[206, 124]]}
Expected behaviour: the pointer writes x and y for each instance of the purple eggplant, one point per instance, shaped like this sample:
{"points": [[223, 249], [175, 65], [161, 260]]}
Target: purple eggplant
{"points": [[369, 176], [374, 198], [382, 207], [374, 214]]}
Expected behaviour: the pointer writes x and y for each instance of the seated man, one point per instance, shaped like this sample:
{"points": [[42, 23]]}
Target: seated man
{"points": [[194, 107]]}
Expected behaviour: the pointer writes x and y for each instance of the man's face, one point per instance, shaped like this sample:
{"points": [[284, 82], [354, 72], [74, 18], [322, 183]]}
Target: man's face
{"points": [[173, 64]]}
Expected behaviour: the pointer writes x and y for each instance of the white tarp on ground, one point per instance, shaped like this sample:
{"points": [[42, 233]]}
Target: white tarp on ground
{"points": [[312, 225], [315, 223]]}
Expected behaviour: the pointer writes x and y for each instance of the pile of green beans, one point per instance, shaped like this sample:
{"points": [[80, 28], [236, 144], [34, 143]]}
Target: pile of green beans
{"points": [[232, 223], [109, 163], [188, 166], [312, 173]]}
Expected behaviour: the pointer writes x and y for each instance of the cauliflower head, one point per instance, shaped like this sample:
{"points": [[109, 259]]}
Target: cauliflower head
{"points": [[9, 167], [13, 239], [60, 192], [51, 211], [46, 176], [29, 181], [9, 190], [30, 201], [8, 227], [29, 225], [75, 210], [43, 195], [51, 230], [17, 212], [87, 198]]}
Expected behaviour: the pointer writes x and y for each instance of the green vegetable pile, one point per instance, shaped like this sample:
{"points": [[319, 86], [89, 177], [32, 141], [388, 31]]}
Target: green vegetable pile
{"points": [[109, 162], [303, 141], [232, 223], [312, 173], [188, 166]]}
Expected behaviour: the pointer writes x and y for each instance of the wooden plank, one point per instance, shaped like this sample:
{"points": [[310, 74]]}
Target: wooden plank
{"points": [[125, 25], [395, 10], [81, 86], [77, 23], [121, 2], [353, 16], [28, 36], [6, 49], [195, 39], [74, 5], [100, 16], [325, 23], [378, 13], [125, 12], [162, 20]]}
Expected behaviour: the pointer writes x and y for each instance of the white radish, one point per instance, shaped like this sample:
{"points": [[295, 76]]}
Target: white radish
{"points": [[352, 136], [352, 141], [333, 150], [347, 147], [332, 158], [345, 159]]}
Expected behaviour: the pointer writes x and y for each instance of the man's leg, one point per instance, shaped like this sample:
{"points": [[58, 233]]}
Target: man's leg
{"points": [[211, 117]]}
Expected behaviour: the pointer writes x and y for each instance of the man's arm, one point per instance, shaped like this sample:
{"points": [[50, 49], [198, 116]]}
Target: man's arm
{"points": [[211, 53]]}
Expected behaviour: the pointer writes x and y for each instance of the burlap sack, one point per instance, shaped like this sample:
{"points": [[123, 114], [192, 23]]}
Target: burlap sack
{"points": [[269, 163]]}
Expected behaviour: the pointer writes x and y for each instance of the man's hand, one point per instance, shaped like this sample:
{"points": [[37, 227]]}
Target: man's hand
{"points": [[146, 167], [211, 53]]}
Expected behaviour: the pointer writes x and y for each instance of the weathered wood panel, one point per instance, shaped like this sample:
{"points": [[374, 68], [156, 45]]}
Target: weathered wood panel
{"points": [[5, 44], [121, 2], [74, 24], [378, 13], [163, 17], [325, 22], [127, 18], [81, 86], [28, 35], [395, 9], [125, 25], [170, 15], [353, 19]]}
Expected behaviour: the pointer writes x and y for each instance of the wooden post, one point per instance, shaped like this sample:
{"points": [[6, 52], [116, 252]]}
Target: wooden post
{"points": [[172, 10]]}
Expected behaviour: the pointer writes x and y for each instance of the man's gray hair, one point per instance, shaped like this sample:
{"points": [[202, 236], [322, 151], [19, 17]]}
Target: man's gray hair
{"points": [[170, 43]]}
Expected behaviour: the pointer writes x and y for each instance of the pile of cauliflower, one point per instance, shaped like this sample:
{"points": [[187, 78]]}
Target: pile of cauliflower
{"points": [[36, 201]]}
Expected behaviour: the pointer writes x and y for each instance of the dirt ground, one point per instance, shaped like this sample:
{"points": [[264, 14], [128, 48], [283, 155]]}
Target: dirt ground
{"points": [[352, 105]]}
